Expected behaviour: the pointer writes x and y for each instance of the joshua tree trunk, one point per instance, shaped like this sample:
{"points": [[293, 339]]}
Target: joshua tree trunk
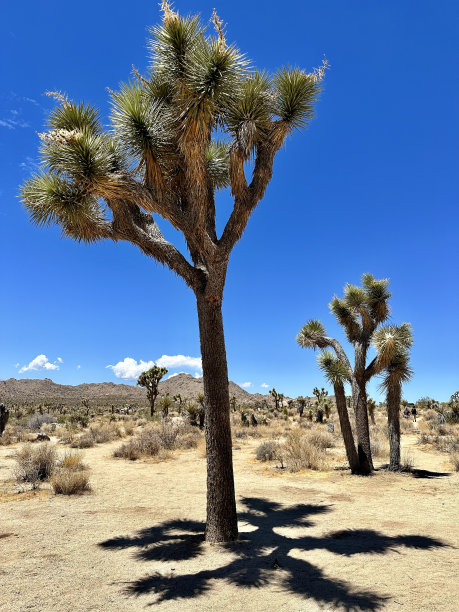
{"points": [[152, 398], [346, 429], [362, 427], [221, 522], [394, 396]]}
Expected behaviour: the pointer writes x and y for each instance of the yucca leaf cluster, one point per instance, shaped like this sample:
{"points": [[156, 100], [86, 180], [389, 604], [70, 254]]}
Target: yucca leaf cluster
{"points": [[171, 131]]}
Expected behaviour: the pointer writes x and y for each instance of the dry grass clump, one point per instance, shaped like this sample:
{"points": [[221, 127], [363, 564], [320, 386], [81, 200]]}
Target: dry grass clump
{"points": [[72, 460], [246, 432], [13, 434], [321, 438], [99, 433], [35, 464], [454, 460], [69, 481], [153, 441], [268, 450], [442, 443], [299, 452]]}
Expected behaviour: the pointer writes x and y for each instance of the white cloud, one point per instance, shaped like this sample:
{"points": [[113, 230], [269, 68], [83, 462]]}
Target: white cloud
{"points": [[78, 367], [17, 365], [245, 385], [60, 360], [39, 363], [179, 361], [264, 385], [129, 368], [197, 375]]}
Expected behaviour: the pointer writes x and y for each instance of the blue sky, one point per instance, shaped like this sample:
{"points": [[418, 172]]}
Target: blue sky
{"points": [[370, 186]]}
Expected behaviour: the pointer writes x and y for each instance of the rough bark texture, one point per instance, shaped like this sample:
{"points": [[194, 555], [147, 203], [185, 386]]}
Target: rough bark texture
{"points": [[4, 416], [362, 427], [346, 429], [221, 525], [394, 396], [359, 393]]}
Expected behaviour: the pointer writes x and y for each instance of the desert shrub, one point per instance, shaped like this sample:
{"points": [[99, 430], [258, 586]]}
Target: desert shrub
{"points": [[299, 453], [105, 432], [454, 459], [444, 444], [68, 481], [149, 442], [406, 463], [35, 463], [268, 450], [320, 438], [38, 420], [13, 434], [430, 415], [84, 441], [129, 427], [72, 460]]}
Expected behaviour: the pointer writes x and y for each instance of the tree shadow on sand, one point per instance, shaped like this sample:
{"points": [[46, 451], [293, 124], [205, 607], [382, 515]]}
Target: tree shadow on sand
{"points": [[262, 556]]}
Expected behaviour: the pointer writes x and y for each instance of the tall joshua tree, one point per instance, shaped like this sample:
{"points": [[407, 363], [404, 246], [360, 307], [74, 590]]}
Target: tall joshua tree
{"points": [[392, 344], [161, 157], [359, 311]]}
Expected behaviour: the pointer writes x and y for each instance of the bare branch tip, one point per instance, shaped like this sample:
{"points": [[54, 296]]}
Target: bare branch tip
{"points": [[138, 75], [57, 95], [168, 13], [218, 24], [319, 72]]}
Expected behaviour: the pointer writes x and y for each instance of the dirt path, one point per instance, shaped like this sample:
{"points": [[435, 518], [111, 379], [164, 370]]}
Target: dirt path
{"points": [[309, 541]]}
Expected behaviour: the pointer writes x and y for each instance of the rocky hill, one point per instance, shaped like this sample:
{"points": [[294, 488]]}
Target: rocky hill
{"points": [[36, 391]]}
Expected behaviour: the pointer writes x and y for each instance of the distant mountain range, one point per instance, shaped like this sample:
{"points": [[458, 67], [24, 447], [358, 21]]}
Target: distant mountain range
{"points": [[36, 391]]}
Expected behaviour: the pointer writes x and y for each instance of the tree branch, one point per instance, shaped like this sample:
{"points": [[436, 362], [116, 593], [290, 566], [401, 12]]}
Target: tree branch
{"points": [[133, 225], [340, 353], [246, 197]]}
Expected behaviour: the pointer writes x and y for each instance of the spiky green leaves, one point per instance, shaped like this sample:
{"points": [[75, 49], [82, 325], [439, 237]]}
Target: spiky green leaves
{"points": [[82, 155], [249, 114], [347, 318], [296, 92], [172, 44], [217, 157], [390, 341], [312, 335], [141, 125], [75, 116], [50, 199], [335, 371]]}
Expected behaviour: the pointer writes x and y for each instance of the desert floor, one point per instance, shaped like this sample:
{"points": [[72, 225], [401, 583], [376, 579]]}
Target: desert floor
{"points": [[308, 541]]}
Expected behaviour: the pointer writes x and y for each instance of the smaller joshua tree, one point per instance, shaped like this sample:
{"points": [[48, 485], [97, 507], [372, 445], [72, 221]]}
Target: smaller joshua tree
{"points": [[361, 311], [393, 343], [150, 380], [276, 397], [336, 374]]}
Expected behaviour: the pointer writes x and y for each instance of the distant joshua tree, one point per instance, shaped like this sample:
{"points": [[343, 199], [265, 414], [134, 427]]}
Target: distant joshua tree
{"points": [[4, 416], [150, 380], [160, 158], [361, 312]]}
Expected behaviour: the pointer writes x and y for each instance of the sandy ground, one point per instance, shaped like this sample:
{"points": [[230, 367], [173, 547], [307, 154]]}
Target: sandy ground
{"points": [[308, 541]]}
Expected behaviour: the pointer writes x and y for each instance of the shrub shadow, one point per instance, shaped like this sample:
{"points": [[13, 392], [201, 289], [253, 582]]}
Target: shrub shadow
{"points": [[261, 556]]}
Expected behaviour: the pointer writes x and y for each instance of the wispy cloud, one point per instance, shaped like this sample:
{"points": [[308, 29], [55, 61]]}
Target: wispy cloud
{"points": [[245, 385], [40, 362], [29, 165], [78, 367], [264, 385]]}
